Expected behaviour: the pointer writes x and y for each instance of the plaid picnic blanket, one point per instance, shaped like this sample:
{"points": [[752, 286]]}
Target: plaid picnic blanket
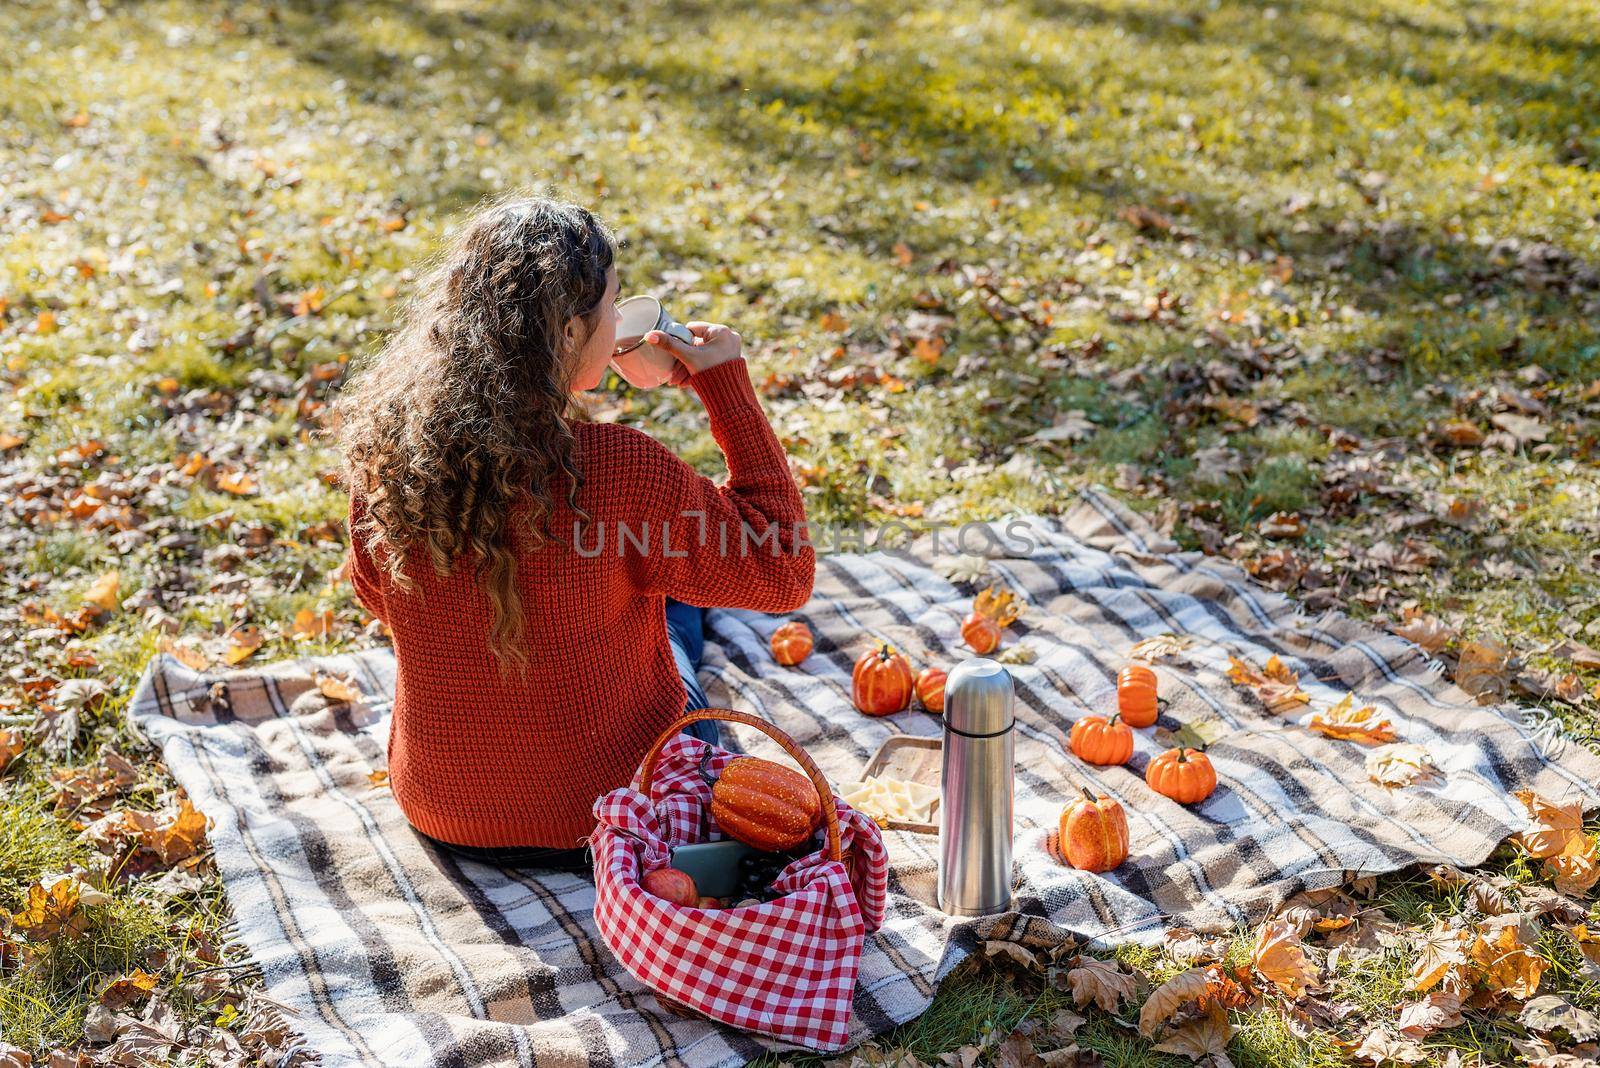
{"points": [[394, 954]]}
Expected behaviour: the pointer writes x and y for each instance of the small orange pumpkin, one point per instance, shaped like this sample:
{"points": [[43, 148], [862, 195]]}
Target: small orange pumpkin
{"points": [[930, 689], [792, 643], [764, 804], [1099, 740], [980, 632], [1093, 833], [881, 683], [1183, 774], [1136, 695]]}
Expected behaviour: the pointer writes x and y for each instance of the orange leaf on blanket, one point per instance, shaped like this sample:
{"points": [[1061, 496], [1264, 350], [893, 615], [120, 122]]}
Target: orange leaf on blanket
{"points": [[378, 778], [337, 687], [1160, 647], [1352, 724], [999, 604], [1484, 670], [1276, 685], [1401, 764]]}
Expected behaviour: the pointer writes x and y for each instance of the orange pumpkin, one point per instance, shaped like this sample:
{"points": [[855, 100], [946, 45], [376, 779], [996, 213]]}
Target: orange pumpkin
{"points": [[881, 682], [1183, 774], [1094, 833], [930, 689], [765, 805], [1099, 740], [1136, 695], [980, 632], [792, 643]]}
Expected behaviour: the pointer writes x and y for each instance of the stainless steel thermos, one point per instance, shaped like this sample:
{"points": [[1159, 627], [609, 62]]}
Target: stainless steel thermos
{"points": [[975, 809]]}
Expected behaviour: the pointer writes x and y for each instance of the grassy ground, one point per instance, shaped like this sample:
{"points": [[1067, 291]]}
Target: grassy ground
{"points": [[1234, 259]]}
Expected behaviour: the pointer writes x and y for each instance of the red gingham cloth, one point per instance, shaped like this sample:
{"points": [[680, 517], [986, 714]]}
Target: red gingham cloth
{"points": [[786, 968]]}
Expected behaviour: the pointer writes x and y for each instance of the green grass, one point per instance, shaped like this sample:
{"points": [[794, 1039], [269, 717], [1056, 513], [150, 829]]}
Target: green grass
{"points": [[1234, 224]]}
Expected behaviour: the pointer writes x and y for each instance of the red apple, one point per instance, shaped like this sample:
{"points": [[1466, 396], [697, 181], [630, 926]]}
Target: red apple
{"points": [[709, 903], [672, 885]]}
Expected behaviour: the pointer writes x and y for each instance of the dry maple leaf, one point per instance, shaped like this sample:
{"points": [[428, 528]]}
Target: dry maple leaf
{"points": [[11, 745], [51, 911], [243, 643], [1165, 1000], [189, 657], [1100, 981], [378, 778], [1551, 1013], [337, 687], [1401, 764], [998, 604], [1383, 1046], [1575, 872], [1504, 956], [1283, 525], [103, 594], [1160, 647], [1202, 1039], [1434, 1012], [126, 989], [309, 624], [1557, 829], [1588, 941], [169, 839], [1275, 684], [1484, 670], [1429, 632], [238, 483], [1441, 958], [1346, 722], [1281, 958], [1184, 945]]}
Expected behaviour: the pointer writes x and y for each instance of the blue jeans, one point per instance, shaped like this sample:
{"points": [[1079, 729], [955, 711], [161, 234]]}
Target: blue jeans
{"points": [[686, 633]]}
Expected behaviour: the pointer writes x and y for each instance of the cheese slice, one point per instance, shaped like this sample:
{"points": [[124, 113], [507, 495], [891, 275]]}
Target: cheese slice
{"points": [[891, 799]]}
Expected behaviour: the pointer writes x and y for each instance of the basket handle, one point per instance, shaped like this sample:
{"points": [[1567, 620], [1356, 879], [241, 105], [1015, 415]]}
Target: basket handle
{"points": [[830, 815]]}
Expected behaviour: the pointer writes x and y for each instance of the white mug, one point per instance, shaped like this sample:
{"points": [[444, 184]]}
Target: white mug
{"points": [[643, 365]]}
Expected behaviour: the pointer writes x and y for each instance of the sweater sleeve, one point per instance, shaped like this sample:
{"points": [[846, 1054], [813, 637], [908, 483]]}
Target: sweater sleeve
{"points": [[363, 569], [742, 544]]}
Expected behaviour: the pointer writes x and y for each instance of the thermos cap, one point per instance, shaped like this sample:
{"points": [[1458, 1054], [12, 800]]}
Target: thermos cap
{"points": [[977, 698]]}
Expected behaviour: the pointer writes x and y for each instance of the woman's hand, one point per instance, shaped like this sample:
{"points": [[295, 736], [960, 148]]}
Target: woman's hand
{"points": [[714, 343]]}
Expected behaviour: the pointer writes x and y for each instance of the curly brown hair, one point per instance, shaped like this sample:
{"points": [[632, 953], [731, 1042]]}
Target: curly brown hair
{"points": [[466, 410]]}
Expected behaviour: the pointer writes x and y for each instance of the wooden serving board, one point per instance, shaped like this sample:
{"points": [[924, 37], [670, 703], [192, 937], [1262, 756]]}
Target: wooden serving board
{"points": [[914, 760]]}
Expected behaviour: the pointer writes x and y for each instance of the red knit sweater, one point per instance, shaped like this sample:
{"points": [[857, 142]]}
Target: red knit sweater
{"points": [[478, 759]]}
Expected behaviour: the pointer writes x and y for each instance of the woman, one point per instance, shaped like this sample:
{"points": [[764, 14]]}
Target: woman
{"points": [[537, 571]]}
